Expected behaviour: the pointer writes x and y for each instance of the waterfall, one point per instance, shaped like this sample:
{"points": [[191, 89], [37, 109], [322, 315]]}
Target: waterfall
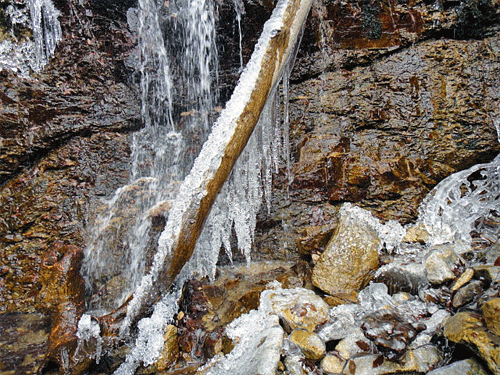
{"points": [[176, 80], [23, 56]]}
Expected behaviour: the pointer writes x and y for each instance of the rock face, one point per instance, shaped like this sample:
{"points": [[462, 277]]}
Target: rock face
{"points": [[350, 256], [365, 130]]}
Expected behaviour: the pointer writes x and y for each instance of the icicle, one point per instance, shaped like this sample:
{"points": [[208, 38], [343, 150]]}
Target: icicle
{"points": [[239, 6], [34, 54]]}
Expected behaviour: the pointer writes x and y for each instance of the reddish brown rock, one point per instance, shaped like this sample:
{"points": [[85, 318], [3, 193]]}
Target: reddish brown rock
{"points": [[62, 298], [384, 135]]}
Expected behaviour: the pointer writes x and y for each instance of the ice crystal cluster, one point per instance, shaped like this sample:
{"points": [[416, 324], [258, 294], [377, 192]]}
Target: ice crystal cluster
{"points": [[25, 55]]}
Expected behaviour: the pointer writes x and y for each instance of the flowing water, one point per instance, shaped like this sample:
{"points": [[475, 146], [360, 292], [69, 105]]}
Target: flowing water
{"points": [[176, 125]]}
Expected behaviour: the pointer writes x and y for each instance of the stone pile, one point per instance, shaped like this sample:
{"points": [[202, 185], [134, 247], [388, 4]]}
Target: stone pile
{"points": [[396, 318]]}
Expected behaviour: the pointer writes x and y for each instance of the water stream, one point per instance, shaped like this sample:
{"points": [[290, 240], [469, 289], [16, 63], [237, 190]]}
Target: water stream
{"points": [[177, 122]]}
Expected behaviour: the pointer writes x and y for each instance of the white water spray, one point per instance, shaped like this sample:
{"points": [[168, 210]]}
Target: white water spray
{"points": [[164, 150]]}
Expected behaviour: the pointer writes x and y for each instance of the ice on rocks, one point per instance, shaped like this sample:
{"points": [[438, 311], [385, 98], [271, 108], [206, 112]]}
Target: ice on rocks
{"points": [[299, 307], [26, 56], [89, 333], [258, 338], [461, 201], [149, 344], [345, 319], [391, 233]]}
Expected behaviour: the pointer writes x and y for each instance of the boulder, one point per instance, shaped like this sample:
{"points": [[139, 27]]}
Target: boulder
{"points": [[298, 308], [419, 360], [349, 258], [332, 365], [441, 263], [467, 366]]}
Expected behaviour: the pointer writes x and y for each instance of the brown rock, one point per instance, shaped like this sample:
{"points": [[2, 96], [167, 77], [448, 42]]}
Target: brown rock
{"points": [[170, 349], [467, 328], [350, 256], [62, 298], [491, 314], [463, 279], [309, 343], [467, 293]]}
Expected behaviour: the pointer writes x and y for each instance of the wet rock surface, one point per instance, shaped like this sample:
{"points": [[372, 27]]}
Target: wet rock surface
{"points": [[349, 257], [387, 99]]}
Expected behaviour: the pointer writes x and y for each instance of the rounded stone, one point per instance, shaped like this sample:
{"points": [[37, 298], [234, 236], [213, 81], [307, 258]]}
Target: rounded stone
{"points": [[298, 307], [440, 263], [332, 365], [309, 343], [491, 314]]}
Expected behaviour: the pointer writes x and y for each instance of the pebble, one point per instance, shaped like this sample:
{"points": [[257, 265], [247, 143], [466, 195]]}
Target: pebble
{"points": [[309, 343]]}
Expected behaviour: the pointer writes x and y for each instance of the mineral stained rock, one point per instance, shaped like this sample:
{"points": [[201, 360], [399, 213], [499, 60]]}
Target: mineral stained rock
{"points": [[349, 257]]}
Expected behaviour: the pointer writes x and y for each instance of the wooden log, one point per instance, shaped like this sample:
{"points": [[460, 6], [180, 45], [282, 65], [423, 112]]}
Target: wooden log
{"points": [[274, 52]]}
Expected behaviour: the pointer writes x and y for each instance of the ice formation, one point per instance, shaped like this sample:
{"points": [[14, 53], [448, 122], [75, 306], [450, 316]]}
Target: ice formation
{"points": [[24, 56], [243, 191], [207, 162], [460, 203], [390, 233], [259, 338], [148, 346], [89, 333]]}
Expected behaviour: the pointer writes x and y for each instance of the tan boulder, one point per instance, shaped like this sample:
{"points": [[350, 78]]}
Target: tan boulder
{"points": [[349, 258]]}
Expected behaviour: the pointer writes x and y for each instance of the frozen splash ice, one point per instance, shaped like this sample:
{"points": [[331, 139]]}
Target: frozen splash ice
{"points": [[259, 339], [389, 233], [460, 202], [148, 346], [24, 56]]}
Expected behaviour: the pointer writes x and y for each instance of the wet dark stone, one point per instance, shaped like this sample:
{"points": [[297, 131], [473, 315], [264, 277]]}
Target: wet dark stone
{"points": [[22, 342], [390, 332], [468, 293]]}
